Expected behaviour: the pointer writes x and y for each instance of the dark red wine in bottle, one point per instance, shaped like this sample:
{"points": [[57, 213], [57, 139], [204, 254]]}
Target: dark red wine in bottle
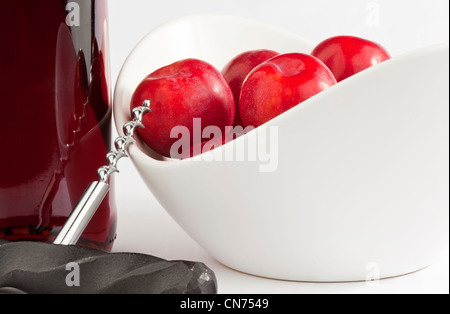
{"points": [[55, 117]]}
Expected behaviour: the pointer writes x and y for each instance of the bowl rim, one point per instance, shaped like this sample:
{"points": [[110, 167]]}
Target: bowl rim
{"points": [[143, 151]]}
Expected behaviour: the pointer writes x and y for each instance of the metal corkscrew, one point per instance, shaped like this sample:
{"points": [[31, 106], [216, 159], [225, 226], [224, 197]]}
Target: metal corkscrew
{"points": [[96, 191]]}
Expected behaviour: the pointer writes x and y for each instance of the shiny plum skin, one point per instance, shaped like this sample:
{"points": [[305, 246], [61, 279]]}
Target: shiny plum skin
{"points": [[179, 93], [346, 56], [280, 84], [237, 70]]}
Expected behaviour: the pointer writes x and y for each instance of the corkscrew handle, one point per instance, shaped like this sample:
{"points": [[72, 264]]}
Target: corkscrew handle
{"points": [[96, 191]]}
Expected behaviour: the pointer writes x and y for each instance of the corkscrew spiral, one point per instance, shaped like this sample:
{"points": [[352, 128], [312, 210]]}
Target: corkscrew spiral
{"points": [[122, 142]]}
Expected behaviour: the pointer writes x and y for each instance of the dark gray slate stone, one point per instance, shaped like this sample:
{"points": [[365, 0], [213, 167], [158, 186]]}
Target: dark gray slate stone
{"points": [[40, 268]]}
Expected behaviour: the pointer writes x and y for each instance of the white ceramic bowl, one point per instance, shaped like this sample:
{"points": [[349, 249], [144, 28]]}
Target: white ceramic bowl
{"points": [[361, 187]]}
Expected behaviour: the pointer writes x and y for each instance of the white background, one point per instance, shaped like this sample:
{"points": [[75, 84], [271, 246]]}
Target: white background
{"points": [[399, 25]]}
